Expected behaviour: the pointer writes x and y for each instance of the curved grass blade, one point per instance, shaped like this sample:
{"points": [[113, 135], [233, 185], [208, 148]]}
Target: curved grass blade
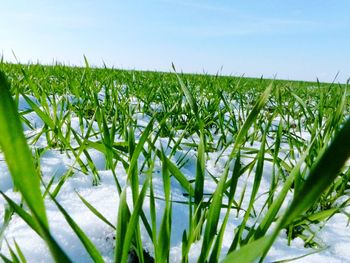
{"points": [[188, 94], [277, 203], [17, 154], [248, 253], [322, 174], [95, 211], [89, 246], [300, 257], [250, 119], [20, 163], [175, 171], [23, 214]]}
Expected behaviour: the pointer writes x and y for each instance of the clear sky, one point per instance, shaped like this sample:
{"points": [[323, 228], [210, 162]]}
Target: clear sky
{"points": [[300, 39]]}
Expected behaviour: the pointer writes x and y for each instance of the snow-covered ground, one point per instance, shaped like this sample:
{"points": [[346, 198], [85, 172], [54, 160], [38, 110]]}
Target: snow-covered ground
{"points": [[334, 235]]}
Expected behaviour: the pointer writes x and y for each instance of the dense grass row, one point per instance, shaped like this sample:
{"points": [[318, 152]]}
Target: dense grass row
{"points": [[301, 128]]}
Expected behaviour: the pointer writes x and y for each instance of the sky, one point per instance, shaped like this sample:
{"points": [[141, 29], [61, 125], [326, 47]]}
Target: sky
{"points": [[295, 40]]}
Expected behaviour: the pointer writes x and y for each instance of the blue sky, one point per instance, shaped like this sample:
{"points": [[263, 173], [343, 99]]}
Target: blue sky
{"points": [[290, 39]]}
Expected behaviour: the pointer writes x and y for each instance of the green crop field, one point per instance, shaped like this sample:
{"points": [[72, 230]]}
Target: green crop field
{"points": [[131, 166]]}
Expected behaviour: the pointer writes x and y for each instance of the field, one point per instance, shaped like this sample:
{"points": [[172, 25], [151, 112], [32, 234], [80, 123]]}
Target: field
{"points": [[129, 166]]}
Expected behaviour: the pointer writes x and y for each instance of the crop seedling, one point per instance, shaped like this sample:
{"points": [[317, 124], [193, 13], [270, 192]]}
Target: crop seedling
{"points": [[168, 167]]}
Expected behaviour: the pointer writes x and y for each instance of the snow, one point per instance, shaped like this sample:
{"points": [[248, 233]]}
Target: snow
{"points": [[334, 234]]}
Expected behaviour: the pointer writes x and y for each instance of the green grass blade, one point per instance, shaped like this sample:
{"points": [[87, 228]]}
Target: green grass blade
{"points": [[20, 163], [7, 218], [23, 214], [14, 257], [250, 119], [164, 235], [95, 211], [322, 174], [248, 253], [20, 253], [17, 154], [276, 205], [213, 218], [5, 259], [180, 177], [215, 254], [122, 226], [200, 173], [134, 219], [55, 249], [89, 246], [257, 180], [188, 94]]}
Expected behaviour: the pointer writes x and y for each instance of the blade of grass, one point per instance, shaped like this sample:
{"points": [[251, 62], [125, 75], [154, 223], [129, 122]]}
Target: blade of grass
{"points": [[164, 235], [21, 165], [89, 246], [134, 219], [95, 211], [17, 154], [200, 174], [19, 252]]}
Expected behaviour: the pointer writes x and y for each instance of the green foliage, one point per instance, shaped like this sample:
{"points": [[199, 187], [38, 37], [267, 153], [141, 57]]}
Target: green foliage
{"points": [[239, 124]]}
